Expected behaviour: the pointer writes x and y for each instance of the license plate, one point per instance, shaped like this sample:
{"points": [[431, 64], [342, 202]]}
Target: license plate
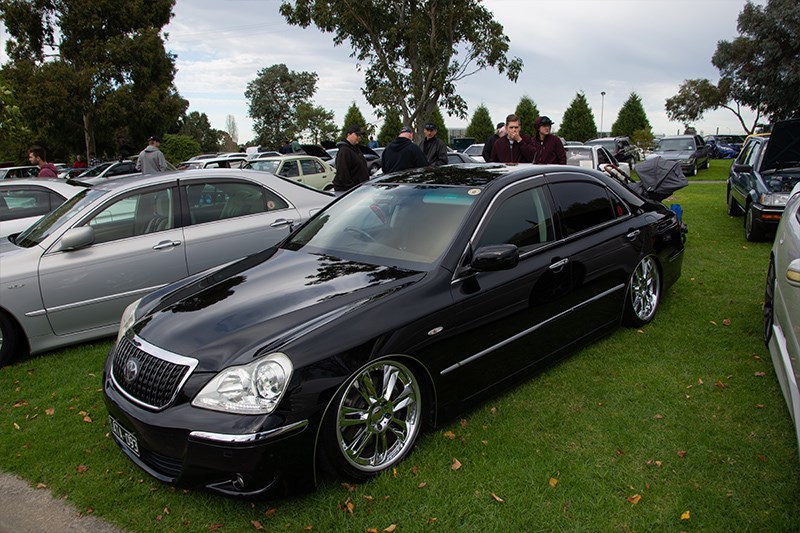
{"points": [[123, 435]]}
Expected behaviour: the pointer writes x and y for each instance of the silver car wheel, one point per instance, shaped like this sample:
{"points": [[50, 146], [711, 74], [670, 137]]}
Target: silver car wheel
{"points": [[379, 416], [645, 290]]}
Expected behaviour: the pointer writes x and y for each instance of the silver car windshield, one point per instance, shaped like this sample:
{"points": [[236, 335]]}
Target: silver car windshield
{"points": [[57, 218], [402, 225]]}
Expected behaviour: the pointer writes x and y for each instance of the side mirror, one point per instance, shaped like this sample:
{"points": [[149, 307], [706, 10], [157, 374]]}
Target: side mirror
{"points": [[77, 238], [495, 257], [742, 168]]}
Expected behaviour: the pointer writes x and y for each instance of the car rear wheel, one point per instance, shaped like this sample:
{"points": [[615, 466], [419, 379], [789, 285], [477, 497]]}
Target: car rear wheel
{"points": [[644, 293], [9, 339], [374, 420], [693, 170], [769, 302], [733, 208], [752, 231]]}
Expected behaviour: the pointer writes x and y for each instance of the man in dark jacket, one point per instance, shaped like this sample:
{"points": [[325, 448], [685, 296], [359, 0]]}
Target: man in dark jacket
{"points": [[351, 167], [433, 147], [489, 143], [514, 147], [549, 148], [402, 153]]}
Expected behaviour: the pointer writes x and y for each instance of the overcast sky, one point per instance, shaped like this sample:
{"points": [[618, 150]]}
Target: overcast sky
{"points": [[591, 46]]}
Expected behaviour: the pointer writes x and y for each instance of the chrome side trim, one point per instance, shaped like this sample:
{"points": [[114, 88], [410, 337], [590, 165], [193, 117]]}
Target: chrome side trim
{"points": [[76, 305], [530, 330], [250, 438]]}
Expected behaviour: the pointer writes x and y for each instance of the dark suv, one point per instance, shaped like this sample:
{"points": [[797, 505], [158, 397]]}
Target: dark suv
{"points": [[762, 176], [689, 150], [620, 147]]}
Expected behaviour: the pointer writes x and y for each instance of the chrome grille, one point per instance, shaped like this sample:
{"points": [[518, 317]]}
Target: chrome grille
{"points": [[155, 381]]}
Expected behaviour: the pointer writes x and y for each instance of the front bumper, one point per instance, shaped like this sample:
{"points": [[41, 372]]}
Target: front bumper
{"points": [[767, 217], [235, 455]]}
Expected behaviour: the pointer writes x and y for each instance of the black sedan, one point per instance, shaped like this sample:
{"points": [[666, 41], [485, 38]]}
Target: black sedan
{"points": [[395, 308], [762, 176]]}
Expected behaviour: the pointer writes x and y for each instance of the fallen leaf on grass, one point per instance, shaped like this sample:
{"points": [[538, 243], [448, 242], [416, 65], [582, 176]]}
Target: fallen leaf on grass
{"points": [[20, 403], [368, 497], [658, 417], [761, 458], [16, 426], [87, 419], [699, 381], [449, 434], [685, 515], [81, 469], [431, 520], [50, 411], [390, 529], [497, 498], [620, 452], [681, 453], [759, 406], [258, 525], [347, 506], [270, 512], [553, 482], [348, 487], [760, 374], [166, 510], [657, 463], [713, 322], [720, 384], [422, 485], [463, 423], [41, 486], [308, 528], [726, 322], [634, 499], [456, 464], [214, 527]]}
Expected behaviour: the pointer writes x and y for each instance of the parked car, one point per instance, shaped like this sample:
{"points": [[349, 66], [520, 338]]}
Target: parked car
{"points": [[724, 146], [690, 150], [262, 155], [212, 162], [459, 157], [782, 306], [401, 303], [620, 147], [596, 156], [763, 175], [67, 278], [303, 168], [19, 172], [475, 151], [24, 201], [109, 169]]}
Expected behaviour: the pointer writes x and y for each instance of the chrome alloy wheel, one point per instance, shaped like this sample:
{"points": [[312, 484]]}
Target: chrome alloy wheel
{"points": [[379, 416], [645, 289]]}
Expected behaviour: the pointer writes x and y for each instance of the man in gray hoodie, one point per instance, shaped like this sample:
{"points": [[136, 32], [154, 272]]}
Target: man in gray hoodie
{"points": [[151, 159]]}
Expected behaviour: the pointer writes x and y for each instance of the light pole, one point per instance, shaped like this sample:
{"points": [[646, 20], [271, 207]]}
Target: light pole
{"points": [[602, 103]]}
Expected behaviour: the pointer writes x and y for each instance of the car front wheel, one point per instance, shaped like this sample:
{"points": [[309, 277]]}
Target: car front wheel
{"points": [[644, 293], [733, 208], [752, 231], [769, 302], [374, 420]]}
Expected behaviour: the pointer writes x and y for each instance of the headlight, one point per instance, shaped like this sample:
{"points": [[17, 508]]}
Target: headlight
{"points": [[686, 161], [774, 200], [128, 318], [252, 389]]}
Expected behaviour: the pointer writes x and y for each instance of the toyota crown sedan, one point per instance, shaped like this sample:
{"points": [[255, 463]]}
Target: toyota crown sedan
{"points": [[402, 303], [68, 278]]}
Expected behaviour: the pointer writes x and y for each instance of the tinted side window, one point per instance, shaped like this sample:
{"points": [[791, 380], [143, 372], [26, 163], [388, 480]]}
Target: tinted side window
{"points": [[582, 205], [309, 166], [222, 200], [23, 203], [523, 219], [289, 170]]}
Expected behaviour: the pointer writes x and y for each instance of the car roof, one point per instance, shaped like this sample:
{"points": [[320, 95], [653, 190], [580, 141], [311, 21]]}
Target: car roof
{"points": [[58, 185]]}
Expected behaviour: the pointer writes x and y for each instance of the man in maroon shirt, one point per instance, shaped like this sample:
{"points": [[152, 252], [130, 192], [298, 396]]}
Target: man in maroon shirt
{"points": [[37, 156], [514, 147]]}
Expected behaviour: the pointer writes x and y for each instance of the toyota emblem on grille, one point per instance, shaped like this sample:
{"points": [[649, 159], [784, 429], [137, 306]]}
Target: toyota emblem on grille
{"points": [[131, 370]]}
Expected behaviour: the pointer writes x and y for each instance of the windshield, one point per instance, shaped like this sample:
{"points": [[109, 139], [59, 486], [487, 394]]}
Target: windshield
{"points": [[95, 171], [57, 218], [579, 156], [676, 145], [408, 226], [731, 139], [265, 166]]}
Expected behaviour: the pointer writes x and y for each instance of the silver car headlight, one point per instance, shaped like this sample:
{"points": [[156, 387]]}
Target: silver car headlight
{"points": [[686, 161], [774, 199], [128, 318], [252, 389]]}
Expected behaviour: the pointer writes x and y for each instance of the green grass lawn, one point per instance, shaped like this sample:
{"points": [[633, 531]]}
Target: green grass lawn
{"points": [[678, 426]]}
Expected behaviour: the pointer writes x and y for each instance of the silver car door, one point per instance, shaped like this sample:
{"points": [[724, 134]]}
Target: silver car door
{"points": [[138, 247], [230, 219]]}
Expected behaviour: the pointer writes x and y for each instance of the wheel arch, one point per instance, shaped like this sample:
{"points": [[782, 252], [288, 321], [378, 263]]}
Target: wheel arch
{"points": [[24, 347]]}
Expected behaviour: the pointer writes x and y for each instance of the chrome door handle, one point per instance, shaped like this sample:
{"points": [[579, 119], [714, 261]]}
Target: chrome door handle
{"points": [[558, 265], [166, 244], [281, 222], [632, 235]]}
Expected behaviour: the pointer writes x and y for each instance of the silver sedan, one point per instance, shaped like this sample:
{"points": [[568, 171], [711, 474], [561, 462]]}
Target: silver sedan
{"points": [[67, 278], [782, 306], [24, 201]]}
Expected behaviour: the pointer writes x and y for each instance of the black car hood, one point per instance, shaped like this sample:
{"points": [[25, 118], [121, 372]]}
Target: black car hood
{"points": [[783, 148], [266, 306]]}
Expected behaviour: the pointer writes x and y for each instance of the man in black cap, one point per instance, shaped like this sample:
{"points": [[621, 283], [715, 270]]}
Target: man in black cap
{"points": [[351, 166], [499, 132], [549, 148], [151, 159], [433, 147], [402, 153]]}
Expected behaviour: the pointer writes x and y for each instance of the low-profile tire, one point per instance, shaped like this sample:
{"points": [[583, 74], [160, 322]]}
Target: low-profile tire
{"points": [[9, 339], [374, 420], [733, 208], [643, 294], [769, 302], [752, 231]]}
